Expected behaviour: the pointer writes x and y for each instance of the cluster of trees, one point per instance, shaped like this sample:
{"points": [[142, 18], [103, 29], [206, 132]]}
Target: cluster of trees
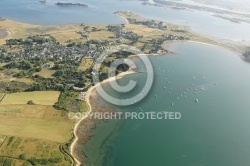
{"points": [[6, 161], [69, 101], [150, 23], [38, 39], [107, 63], [116, 29], [22, 65], [27, 68], [44, 161], [14, 86], [44, 84], [65, 99], [64, 75]]}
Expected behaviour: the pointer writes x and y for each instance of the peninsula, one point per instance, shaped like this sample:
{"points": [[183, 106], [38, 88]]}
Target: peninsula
{"points": [[50, 69]]}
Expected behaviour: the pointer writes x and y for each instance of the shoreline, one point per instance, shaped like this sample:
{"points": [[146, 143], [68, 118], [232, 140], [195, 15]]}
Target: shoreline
{"points": [[119, 76], [88, 95], [125, 19], [166, 44], [217, 42]]}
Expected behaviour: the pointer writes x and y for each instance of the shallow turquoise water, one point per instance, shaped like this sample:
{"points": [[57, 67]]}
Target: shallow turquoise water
{"points": [[213, 132]]}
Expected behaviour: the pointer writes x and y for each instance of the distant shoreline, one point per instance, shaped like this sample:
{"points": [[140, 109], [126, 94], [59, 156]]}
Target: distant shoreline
{"points": [[167, 43], [70, 4]]}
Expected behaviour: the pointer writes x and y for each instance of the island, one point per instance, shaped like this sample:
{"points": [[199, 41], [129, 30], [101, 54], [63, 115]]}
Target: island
{"points": [[70, 4]]}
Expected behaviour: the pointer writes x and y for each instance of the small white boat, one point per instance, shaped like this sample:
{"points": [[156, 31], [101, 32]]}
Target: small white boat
{"points": [[197, 100]]}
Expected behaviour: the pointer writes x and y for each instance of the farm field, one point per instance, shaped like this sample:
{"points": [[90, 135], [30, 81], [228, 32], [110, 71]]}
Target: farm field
{"points": [[86, 64], [35, 121], [40, 98], [46, 73], [33, 131]]}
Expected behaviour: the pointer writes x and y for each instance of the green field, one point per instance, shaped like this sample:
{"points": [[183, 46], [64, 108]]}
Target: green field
{"points": [[46, 73], [33, 131], [86, 64], [19, 151], [39, 97], [35, 121]]}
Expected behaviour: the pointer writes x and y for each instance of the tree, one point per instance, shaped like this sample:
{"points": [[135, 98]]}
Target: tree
{"points": [[22, 156], [30, 102]]}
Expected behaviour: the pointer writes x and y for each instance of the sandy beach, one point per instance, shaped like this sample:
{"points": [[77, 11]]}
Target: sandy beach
{"points": [[166, 45], [125, 19], [88, 126]]}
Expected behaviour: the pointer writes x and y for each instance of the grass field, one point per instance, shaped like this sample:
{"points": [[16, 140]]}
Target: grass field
{"points": [[17, 30], [86, 64], [14, 146], [20, 151], [46, 73], [39, 97], [100, 35], [3, 64], [34, 132], [32, 121], [7, 74], [25, 80]]}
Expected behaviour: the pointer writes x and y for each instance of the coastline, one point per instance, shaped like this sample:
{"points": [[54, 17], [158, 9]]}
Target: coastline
{"points": [[125, 19], [166, 44], [88, 101], [91, 91]]}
